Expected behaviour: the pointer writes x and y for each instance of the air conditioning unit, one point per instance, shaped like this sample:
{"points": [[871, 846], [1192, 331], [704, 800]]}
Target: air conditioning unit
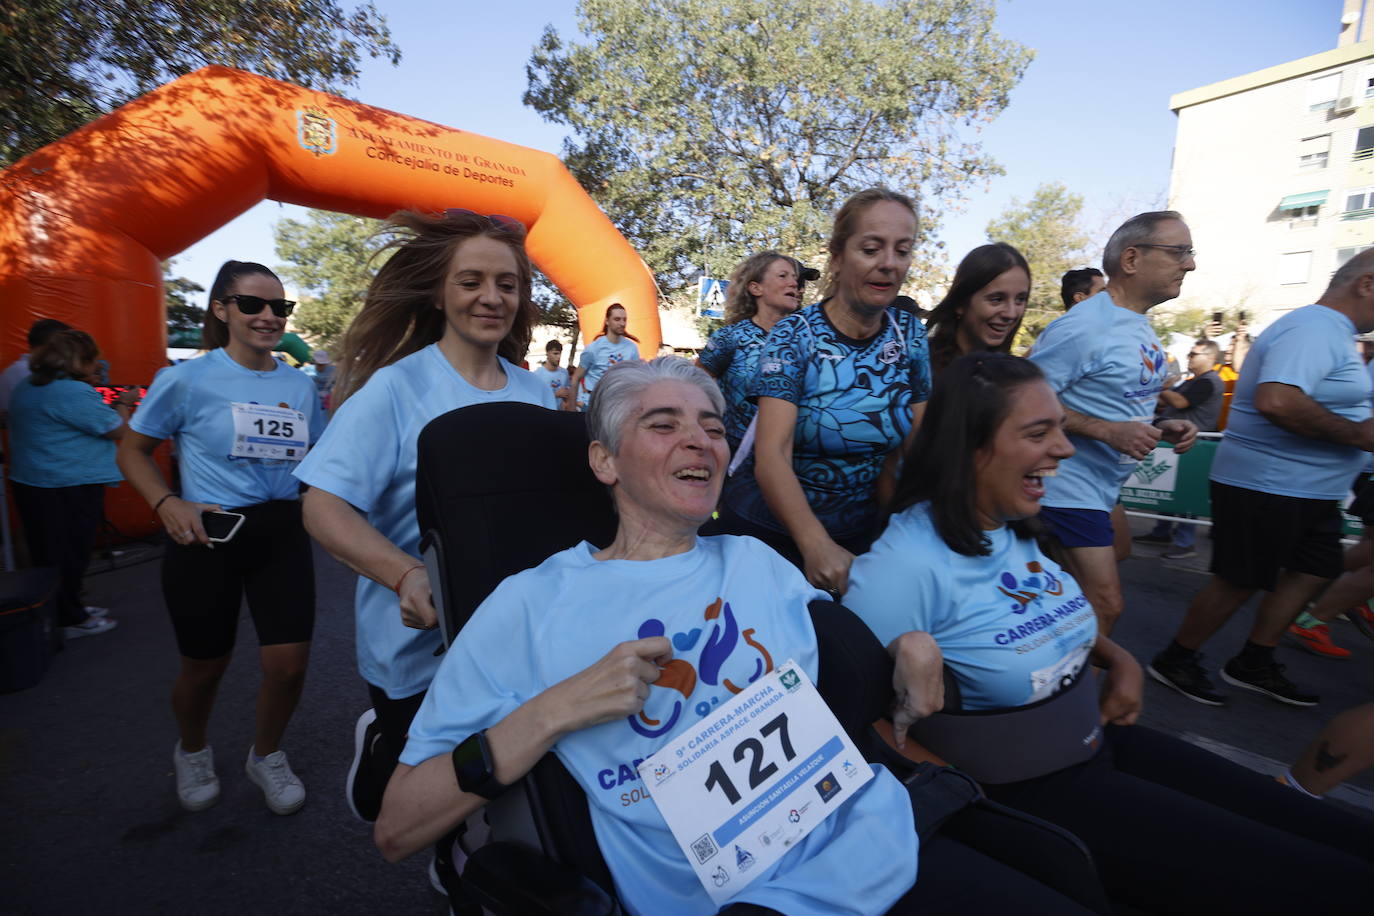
{"points": [[1344, 105]]}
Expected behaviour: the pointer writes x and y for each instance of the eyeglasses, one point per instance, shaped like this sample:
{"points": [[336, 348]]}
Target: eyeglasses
{"points": [[251, 305], [1180, 252], [496, 220]]}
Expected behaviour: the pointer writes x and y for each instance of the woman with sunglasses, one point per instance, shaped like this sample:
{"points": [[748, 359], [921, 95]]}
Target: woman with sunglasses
{"points": [[445, 321], [241, 420]]}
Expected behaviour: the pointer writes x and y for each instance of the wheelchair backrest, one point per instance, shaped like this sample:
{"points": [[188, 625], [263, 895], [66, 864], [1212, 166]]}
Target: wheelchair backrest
{"points": [[500, 488]]}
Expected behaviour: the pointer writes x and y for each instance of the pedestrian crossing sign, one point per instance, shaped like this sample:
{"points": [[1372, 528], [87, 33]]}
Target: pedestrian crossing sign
{"points": [[711, 297]]}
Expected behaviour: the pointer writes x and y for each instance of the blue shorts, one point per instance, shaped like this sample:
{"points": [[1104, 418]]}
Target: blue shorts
{"points": [[1079, 527]]}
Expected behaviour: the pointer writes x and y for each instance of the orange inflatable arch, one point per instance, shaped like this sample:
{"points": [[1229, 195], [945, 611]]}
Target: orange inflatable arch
{"points": [[85, 222]]}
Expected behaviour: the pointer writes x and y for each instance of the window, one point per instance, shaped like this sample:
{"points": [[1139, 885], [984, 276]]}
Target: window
{"points": [[1302, 217], [1345, 254], [1359, 203], [1367, 81], [1323, 91], [1314, 151], [1294, 267], [1364, 143]]}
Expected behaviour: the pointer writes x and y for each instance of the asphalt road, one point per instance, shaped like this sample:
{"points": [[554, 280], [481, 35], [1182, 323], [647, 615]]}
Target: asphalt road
{"points": [[90, 824]]}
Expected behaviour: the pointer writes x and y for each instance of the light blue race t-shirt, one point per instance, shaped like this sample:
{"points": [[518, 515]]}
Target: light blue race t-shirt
{"points": [[599, 356], [367, 458], [58, 435], [191, 403], [554, 378], [1106, 362], [1312, 348], [733, 609], [1013, 626]]}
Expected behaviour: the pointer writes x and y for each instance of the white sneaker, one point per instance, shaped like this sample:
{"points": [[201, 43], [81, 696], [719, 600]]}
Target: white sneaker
{"points": [[283, 790], [197, 784], [91, 626], [92, 611]]}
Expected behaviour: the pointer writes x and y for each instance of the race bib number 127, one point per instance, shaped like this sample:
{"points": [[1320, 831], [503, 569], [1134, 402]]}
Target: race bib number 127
{"points": [[744, 785]]}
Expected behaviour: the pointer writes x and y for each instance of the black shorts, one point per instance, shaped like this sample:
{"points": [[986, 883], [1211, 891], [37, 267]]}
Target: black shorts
{"points": [[1254, 535], [1363, 505], [269, 561]]}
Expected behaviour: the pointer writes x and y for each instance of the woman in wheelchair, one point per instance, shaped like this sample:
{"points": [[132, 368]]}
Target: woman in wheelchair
{"points": [[1173, 829], [602, 655]]}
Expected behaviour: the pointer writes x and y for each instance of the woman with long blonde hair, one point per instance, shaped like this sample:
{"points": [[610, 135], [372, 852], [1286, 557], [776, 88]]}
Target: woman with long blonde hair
{"points": [[442, 327]]}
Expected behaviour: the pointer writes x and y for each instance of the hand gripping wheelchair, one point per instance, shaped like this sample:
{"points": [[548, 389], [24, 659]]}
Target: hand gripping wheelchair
{"points": [[501, 487]]}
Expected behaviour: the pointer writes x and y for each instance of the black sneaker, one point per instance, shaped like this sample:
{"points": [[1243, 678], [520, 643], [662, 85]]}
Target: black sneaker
{"points": [[1187, 677], [362, 797], [1268, 680]]}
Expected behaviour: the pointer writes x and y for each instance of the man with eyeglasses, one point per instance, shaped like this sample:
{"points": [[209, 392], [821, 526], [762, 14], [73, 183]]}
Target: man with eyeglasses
{"points": [[1299, 431], [1106, 364], [1199, 401]]}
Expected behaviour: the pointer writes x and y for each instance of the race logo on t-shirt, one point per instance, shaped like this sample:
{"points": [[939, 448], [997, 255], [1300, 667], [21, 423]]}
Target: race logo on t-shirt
{"points": [[1152, 361], [1025, 590], [712, 645]]}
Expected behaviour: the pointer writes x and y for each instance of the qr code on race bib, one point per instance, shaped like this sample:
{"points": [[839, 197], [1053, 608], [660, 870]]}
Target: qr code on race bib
{"points": [[704, 848]]}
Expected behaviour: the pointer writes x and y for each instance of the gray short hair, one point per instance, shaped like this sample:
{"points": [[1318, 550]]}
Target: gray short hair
{"points": [[1211, 346], [614, 397], [1362, 263], [1139, 228]]}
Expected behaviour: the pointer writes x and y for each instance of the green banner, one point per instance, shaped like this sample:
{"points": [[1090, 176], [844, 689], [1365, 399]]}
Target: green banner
{"points": [[1167, 483], [1172, 484]]}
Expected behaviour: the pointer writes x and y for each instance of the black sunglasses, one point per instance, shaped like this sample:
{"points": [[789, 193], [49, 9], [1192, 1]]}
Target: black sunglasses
{"points": [[496, 220], [251, 305]]}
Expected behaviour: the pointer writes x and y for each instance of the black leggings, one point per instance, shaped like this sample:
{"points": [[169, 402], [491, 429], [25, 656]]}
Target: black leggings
{"points": [[269, 560], [730, 522], [1175, 829], [393, 722], [958, 880], [60, 526]]}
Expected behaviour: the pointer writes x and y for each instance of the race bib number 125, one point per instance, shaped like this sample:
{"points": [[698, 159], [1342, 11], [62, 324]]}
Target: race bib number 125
{"points": [[261, 431], [744, 785]]}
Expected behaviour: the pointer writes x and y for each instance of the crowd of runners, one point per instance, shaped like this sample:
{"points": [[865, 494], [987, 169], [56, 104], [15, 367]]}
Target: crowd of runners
{"points": [[962, 498]]}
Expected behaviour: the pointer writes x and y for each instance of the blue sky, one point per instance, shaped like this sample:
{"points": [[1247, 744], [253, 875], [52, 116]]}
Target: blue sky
{"points": [[1092, 110]]}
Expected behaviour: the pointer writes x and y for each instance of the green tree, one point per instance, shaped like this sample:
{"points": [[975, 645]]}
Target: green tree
{"points": [[64, 62], [1045, 230], [707, 129], [1193, 321], [330, 260], [184, 317]]}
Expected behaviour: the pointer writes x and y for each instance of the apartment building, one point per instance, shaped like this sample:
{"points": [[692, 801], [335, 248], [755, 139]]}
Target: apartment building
{"points": [[1274, 171]]}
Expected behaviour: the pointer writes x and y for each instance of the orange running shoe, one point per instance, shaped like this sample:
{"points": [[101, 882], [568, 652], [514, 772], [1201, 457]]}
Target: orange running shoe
{"points": [[1317, 640], [1363, 619]]}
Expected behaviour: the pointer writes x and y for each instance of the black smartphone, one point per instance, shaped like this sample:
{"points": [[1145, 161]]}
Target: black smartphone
{"points": [[221, 526]]}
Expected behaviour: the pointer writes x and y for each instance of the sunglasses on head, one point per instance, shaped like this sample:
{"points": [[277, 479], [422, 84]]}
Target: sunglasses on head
{"points": [[495, 220], [252, 305]]}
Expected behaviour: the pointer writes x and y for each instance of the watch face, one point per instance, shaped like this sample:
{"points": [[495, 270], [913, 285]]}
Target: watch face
{"points": [[470, 761]]}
